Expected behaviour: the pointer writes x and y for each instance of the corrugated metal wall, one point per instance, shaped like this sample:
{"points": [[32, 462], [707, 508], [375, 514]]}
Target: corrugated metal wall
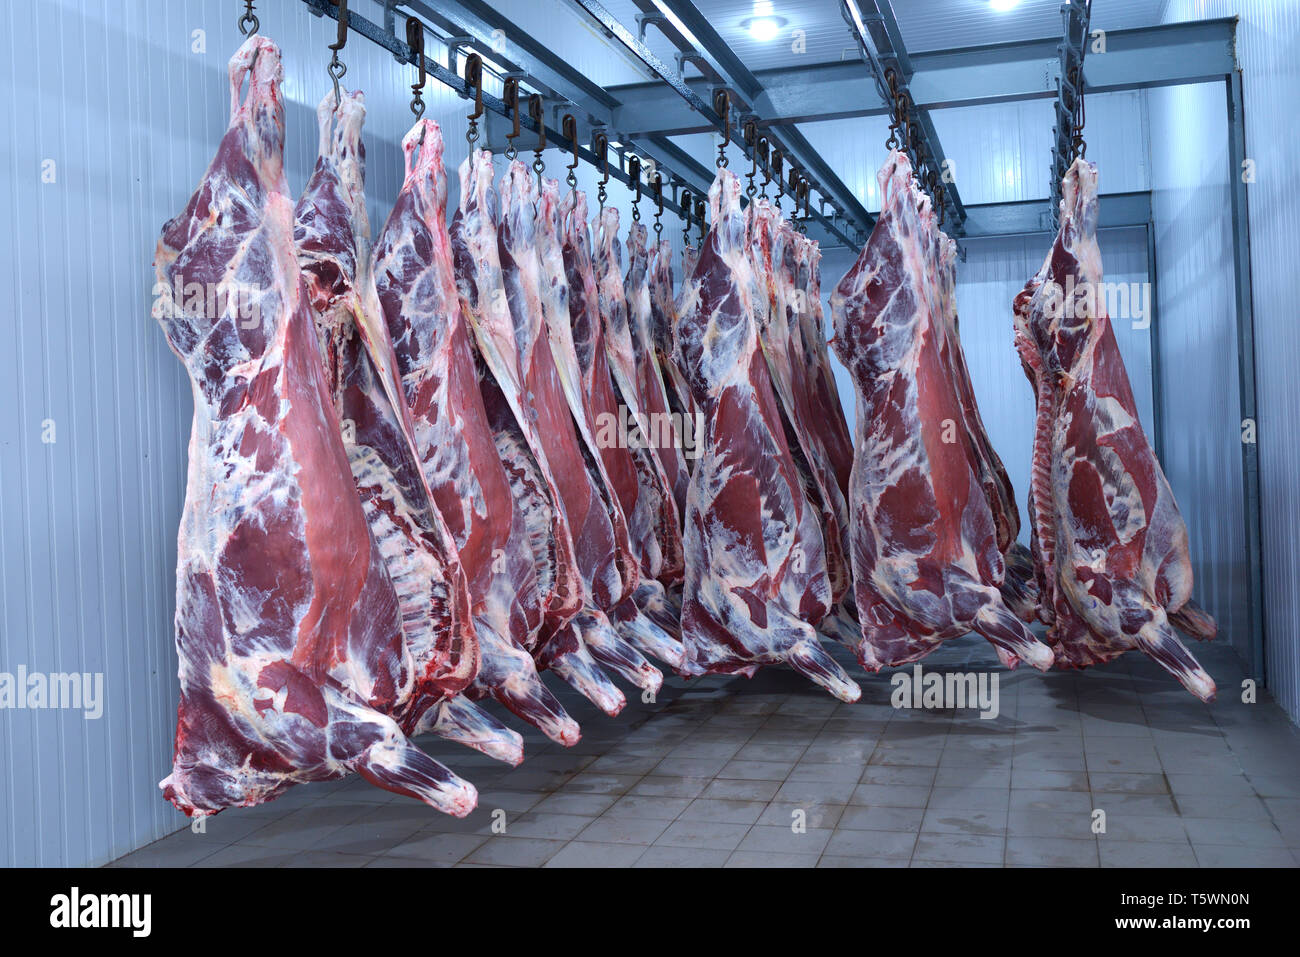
{"points": [[1190, 152], [128, 103]]}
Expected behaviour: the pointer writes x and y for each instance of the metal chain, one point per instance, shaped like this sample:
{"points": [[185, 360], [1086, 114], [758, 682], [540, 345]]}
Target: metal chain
{"points": [[1078, 148]]}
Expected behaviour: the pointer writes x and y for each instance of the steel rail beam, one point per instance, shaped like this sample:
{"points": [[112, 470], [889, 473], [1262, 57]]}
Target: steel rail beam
{"points": [[1198, 51], [556, 139], [738, 77], [1030, 217], [876, 34], [669, 75]]}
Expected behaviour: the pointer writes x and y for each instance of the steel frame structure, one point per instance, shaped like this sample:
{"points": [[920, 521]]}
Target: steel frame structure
{"points": [[643, 116]]}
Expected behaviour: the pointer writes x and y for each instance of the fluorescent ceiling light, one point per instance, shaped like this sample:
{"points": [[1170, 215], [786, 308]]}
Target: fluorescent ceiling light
{"points": [[1002, 6]]}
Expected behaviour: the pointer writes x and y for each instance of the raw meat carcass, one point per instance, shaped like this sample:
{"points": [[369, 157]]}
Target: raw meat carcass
{"points": [[778, 308], [497, 276], [926, 563], [663, 321], [823, 396], [332, 235], [631, 471], [663, 559], [1110, 539], [635, 356], [416, 284], [1019, 589], [755, 564], [603, 537], [288, 629]]}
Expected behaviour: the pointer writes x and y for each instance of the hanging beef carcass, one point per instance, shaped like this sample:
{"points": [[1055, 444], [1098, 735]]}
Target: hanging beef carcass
{"points": [[663, 321], [495, 256], [755, 564], [414, 276], [604, 534], [823, 396], [288, 629], [631, 470], [1111, 541], [926, 563], [661, 553], [777, 310], [332, 235], [1019, 588]]}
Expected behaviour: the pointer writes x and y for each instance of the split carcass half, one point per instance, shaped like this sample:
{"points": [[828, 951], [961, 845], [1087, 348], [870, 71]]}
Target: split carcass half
{"points": [[661, 556], [416, 285], [824, 397], [497, 277], [631, 470], [642, 365], [1019, 587], [1111, 541], [332, 235], [612, 550], [755, 564], [663, 322], [926, 564], [288, 629], [778, 307]]}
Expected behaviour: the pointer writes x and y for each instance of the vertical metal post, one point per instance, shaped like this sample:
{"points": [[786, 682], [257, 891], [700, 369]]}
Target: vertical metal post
{"points": [[1153, 340], [1246, 368]]}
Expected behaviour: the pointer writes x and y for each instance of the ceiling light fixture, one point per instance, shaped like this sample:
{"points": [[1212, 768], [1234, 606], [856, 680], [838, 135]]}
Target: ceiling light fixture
{"points": [[1002, 6], [763, 28]]}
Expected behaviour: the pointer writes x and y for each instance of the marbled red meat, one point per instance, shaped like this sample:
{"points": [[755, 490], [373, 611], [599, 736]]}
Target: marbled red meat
{"points": [[416, 285], [332, 234], [289, 632], [1111, 542], [924, 547], [755, 563]]}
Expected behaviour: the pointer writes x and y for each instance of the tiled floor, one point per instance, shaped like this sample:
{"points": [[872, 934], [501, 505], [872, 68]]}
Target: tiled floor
{"points": [[718, 772]]}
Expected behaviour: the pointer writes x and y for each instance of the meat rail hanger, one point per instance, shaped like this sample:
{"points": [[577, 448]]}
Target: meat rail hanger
{"points": [[248, 22], [472, 88], [337, 68]]}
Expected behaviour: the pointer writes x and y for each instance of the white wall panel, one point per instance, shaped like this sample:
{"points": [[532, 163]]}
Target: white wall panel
{"points": [[115, 95], [1190, 151]]}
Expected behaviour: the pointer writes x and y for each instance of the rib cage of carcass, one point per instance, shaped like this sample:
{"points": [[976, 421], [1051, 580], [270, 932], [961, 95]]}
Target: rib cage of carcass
{"points": [[411, 487]]}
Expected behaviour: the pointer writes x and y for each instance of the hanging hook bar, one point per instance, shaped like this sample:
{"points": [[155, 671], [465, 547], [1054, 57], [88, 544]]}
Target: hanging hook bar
{"points": [[248, 23], [750, 134], [474, 81], [634, 180], [510, 97], [687, 211], [415, 40], [337, 68], [763, 158], [722, 106], [600, 146], [657, 187], [569, 126], [537, 111], [699, 219], [778, 162]]}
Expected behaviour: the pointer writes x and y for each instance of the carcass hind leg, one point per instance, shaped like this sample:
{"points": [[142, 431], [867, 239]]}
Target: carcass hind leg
{"points": [[569, 658], [1158, 640], [1007, 632], [607, 647], [459, 719], [508, 674], [806, 655]]}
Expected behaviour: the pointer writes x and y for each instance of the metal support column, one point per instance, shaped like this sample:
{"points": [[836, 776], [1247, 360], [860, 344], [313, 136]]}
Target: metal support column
{"points": [[1246, 369], [1153, 340]]}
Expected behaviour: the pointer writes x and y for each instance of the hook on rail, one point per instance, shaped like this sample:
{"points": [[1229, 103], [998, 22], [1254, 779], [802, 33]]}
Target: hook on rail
{"points": [[699, 219], [510, 97], [415, 40], [600, 145], [657, 187], [778, 162], [337, 68], [687, 211], [749, 133], [634, 180], [248, 22], [722, 106], [474, 82], [569, 127]]}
